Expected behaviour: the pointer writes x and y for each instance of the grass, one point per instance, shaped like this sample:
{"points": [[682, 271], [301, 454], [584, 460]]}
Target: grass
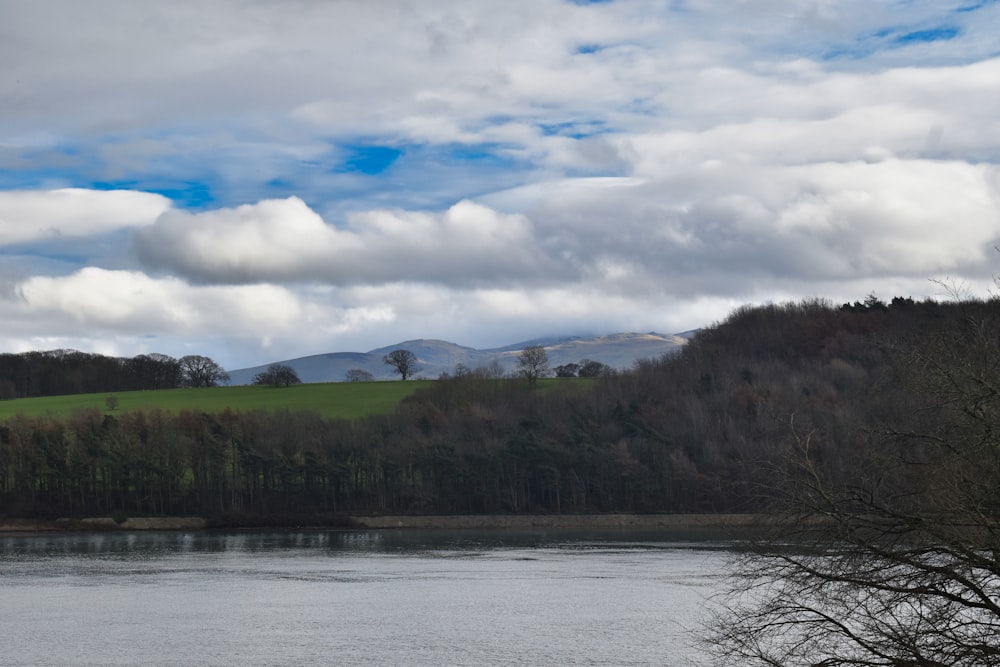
{"points": [[344, 400]]}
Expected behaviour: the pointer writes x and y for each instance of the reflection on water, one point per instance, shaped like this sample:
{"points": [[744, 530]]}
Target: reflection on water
{"points": [[352, 598], [106, 545]]}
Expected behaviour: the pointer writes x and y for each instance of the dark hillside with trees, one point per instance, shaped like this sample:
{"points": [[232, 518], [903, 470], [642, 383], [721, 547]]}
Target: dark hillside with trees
{"points": [[693, 432], [64, 372]]}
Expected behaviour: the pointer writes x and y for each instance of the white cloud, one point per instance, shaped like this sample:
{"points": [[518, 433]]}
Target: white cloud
{"points": [[131, 313], [284, 240], [562, 167], [101, 300], [725, 228], [27, 216]]}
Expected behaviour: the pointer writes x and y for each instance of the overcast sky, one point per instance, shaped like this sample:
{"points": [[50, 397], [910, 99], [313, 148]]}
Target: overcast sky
{"points": [[257, 180]]}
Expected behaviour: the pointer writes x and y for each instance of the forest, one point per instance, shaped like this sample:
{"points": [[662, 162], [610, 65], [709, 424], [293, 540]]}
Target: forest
{"points": [[697, 431], [61, 372]]}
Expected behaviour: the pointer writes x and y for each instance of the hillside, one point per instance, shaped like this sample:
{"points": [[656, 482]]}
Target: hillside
{"points": [[330, 400], [701, 431], [435, 357]]}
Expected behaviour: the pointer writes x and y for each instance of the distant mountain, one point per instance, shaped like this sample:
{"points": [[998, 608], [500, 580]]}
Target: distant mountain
{"points": [[439, 356]]}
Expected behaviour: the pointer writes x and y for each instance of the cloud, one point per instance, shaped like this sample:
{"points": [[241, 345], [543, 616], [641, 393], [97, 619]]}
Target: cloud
{"points": [[284, 240], [719, 229], [100, 300], [27, 216], [726, 229], [293, 176], [129, 312]]}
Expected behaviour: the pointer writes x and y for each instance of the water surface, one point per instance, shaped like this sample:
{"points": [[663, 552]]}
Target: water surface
{"points": [[355, 598]]}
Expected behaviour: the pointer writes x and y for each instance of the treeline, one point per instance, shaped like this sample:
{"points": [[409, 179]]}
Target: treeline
{"points": [[692, 432], [63, 372]]}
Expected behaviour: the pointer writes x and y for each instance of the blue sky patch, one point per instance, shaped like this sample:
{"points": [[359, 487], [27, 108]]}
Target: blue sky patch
{"points": [[369, 160], [486, 154], [26, 180], [938, 34], [114, 185], [890, 37], [184, 194], [974, 6], [477, 154], [574, 129]]}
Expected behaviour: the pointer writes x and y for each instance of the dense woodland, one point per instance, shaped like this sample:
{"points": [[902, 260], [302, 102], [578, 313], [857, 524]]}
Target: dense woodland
{"points": [[691, 432], [62, 372]]}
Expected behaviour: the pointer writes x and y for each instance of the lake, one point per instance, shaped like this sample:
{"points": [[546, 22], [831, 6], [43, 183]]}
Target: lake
{"points": [[552, 597]]}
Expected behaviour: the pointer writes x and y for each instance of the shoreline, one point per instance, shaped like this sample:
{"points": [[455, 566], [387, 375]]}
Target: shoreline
{"points": [[395, 522], [486, 521]]}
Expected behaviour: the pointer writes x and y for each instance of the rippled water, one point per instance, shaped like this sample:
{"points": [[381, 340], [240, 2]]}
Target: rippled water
{"points": [[354, 598]]}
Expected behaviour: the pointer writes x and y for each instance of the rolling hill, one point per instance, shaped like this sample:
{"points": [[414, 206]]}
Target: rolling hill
{"points": [[438, 356]]}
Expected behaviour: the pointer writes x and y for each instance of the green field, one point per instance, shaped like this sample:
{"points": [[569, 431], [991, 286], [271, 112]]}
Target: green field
{"points": [[346, 400]]}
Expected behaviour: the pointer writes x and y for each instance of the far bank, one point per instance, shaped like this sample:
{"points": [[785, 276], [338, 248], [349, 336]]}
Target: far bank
{"points": [[446, 522]]}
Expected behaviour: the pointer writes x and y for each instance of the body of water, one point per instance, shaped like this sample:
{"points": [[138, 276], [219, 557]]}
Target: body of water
{"points": [[355, 598]]}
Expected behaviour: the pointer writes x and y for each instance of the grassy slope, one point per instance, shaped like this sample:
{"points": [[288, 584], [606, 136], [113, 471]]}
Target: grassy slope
{"points": [[346, 400]]}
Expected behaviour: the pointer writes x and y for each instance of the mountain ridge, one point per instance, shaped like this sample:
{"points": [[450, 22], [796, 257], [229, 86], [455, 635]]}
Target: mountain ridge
{"points": [[436, 356]]}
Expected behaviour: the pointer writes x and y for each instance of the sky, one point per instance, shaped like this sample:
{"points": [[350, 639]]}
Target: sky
{"points": [[258, 180]]}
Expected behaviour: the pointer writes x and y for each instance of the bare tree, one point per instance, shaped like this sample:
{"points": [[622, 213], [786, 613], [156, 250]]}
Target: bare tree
{"points": [[358, 375], [404, 361], [278, 375], [153, 371], [533, 363], [889, 557], [593, 369], [199, 371], [491, 371], [567, 370]]}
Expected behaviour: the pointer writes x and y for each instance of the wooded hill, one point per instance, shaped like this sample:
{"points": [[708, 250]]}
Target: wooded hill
{"points": [[65, 372], [436, 357], [691, 432]]}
